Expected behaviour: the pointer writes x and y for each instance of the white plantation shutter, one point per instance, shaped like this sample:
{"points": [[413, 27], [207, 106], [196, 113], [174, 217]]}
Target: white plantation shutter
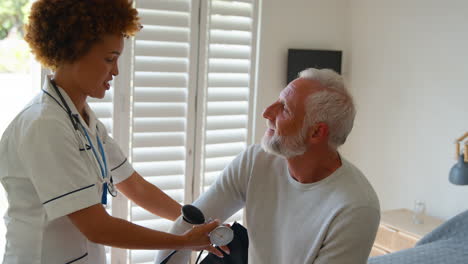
{"points": [[160, 106], [228, 82], [103, 108], [188, 111]]}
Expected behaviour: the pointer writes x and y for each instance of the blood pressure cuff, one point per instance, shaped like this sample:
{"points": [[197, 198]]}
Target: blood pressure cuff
{"points": [[238, 247]]}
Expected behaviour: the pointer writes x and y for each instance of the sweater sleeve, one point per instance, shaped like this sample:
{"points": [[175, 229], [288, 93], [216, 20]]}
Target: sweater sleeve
{"points": [[350, 237], [223, 199]]}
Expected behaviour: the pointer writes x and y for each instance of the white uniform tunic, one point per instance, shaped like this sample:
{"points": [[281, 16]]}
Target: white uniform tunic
{"points": [[48, 174]]}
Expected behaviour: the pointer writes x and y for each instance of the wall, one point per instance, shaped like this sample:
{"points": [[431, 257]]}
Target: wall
{"points": [[408, 72], [300, 24], [406, 65]]}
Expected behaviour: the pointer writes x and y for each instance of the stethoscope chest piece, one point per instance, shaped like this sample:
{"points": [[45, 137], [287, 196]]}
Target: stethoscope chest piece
{"points": [[111, 188]]}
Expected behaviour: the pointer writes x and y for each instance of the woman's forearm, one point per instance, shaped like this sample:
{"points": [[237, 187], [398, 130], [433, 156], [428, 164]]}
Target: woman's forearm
{"points": [[150, 197], [123, 234]]}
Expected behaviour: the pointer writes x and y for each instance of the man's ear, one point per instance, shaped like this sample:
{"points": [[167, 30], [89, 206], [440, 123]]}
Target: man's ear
{"points": [[318, 133]]}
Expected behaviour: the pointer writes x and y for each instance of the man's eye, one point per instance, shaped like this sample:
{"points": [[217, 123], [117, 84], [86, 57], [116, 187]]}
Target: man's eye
{"points": [[109, 59]]}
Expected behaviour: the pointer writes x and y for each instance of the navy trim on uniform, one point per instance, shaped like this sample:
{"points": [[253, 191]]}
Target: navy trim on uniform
{"points": [[58, 197], [119, 165], [54, 99], [86, 254]]}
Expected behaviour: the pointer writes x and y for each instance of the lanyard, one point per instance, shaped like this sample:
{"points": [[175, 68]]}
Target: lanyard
{"points": [[108, 183], [102, 166]]}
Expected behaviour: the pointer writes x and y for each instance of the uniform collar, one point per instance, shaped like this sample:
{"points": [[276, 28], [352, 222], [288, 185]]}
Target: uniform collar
{"points": [[92, 117]]}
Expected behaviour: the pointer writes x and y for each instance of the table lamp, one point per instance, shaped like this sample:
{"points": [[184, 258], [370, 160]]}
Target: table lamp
{"points": [[459, 172]]}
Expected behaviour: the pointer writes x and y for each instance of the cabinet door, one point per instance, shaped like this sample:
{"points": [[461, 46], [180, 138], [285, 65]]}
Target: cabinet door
{"points": [[376, 251], [385, 237], [403, 241]]}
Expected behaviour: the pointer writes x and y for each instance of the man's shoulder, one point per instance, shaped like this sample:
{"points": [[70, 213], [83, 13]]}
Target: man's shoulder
{"points": [[355, 190]]}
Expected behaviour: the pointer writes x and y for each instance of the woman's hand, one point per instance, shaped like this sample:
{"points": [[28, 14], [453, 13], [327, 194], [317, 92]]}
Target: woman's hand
{"points": [[207, 247], [217, 251], [197, 238]]}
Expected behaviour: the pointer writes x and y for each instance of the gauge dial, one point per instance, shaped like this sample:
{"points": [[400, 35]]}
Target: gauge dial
{"points": [[221, 236]]}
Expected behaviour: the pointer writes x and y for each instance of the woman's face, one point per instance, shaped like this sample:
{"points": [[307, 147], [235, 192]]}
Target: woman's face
{"points": [[93, 72]]}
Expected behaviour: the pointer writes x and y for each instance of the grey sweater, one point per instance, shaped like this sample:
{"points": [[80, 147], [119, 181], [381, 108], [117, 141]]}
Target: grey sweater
{"points": [[333, 221]]}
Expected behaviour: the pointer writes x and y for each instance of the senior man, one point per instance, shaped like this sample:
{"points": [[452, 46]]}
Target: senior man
{"points": [[304, 202]]}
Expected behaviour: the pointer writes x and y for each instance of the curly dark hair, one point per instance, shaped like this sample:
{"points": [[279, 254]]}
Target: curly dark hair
{"points": [[61, 31]]}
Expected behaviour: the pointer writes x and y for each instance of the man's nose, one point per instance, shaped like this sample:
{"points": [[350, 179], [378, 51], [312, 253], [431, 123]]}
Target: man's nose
{"points": [[268, 113]]}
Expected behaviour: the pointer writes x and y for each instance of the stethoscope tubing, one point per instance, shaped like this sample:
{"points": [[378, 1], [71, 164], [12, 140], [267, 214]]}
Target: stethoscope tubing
{"points": [[78, 127], [102, 167]]}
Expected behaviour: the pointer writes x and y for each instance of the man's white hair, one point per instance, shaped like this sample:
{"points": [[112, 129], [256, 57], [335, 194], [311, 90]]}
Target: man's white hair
{"points": [[333, 105]]}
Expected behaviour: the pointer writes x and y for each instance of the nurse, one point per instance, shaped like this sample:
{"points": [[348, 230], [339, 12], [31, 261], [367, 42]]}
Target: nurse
{"points": [[57, 162]]}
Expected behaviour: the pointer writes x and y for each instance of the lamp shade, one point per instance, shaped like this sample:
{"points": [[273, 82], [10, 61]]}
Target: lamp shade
{"points": [[459, 172]]}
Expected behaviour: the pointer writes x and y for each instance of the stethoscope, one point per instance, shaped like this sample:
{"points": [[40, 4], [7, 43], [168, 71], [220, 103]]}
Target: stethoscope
{"points": [[108, 184]]}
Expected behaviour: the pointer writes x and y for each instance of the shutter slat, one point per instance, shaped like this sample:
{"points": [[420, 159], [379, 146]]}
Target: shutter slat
{"points": [[231, 23], [228, 94], [163, 33], [158, 139], [230, 8], [227, 108], [228, 80], [160, 109], [229, 66], [140, 214], [158, 154], [230, 37], [161, 79], [172, 5], [164, 18], [165, 64], [159, 125], [226, 122], [161, 49], [164, 168], [160, 94], [230, 52], [156, 224], [173, 182], [226, 136]]}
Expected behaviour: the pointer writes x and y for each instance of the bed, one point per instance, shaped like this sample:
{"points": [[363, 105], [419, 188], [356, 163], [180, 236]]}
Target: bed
{"points": [[447, 244]]}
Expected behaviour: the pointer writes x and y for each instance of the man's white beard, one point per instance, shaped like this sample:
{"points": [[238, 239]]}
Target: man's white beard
{"points": [[285, 146]]}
